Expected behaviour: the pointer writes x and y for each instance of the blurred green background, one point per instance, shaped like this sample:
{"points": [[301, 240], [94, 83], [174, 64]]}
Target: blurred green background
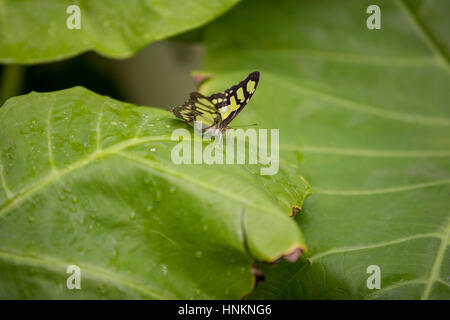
{"points": [[159, 75]]}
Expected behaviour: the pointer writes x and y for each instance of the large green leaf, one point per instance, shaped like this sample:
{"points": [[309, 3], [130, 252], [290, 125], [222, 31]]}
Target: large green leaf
{"points": [[35, 31], [364, 115], [89, 181]]}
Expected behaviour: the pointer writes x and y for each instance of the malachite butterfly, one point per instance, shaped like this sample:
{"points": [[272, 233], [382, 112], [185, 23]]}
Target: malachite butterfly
{"points": [[219, 109]]}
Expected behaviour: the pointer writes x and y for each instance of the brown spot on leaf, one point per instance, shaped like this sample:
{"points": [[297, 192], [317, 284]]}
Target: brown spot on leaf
{"points": [[295, 210], [294, 255]]}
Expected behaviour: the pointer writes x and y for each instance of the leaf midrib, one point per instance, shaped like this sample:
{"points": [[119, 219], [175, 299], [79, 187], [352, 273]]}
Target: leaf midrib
{"points": [[54, 176]]}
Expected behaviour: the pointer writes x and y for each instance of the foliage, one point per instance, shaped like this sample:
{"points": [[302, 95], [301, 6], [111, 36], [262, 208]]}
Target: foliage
{"points": [[35, 31], [363, 114], [89, 181]]}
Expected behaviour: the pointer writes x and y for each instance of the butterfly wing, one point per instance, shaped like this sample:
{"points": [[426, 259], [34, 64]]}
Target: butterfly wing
{"points": [[234, 99], [199, 109]]}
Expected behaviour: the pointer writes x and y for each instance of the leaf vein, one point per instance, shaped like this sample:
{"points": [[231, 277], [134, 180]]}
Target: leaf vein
{"points": [[434, 274], [425, 34], [98, 128], [360, 106], [349, 57], [381, 190], [29, 190], [357, 248], [138, 131], [373, 246], [394, 286], [150, 164], [51, 159], [52, 263], [8, 192], [368, 152]]}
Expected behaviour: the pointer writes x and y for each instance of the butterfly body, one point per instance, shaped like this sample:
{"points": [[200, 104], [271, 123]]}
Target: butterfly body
{"points": [[218, 110]]}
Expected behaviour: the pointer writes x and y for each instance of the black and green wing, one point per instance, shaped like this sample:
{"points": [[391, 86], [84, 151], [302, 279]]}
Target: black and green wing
{"points": [[234, 99], [219, 109], [199, 109]]}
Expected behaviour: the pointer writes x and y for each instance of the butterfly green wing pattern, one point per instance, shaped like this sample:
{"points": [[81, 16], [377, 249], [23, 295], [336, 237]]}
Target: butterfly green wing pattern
{"points": [[219, 109], [234, 99], [199, 109]]}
